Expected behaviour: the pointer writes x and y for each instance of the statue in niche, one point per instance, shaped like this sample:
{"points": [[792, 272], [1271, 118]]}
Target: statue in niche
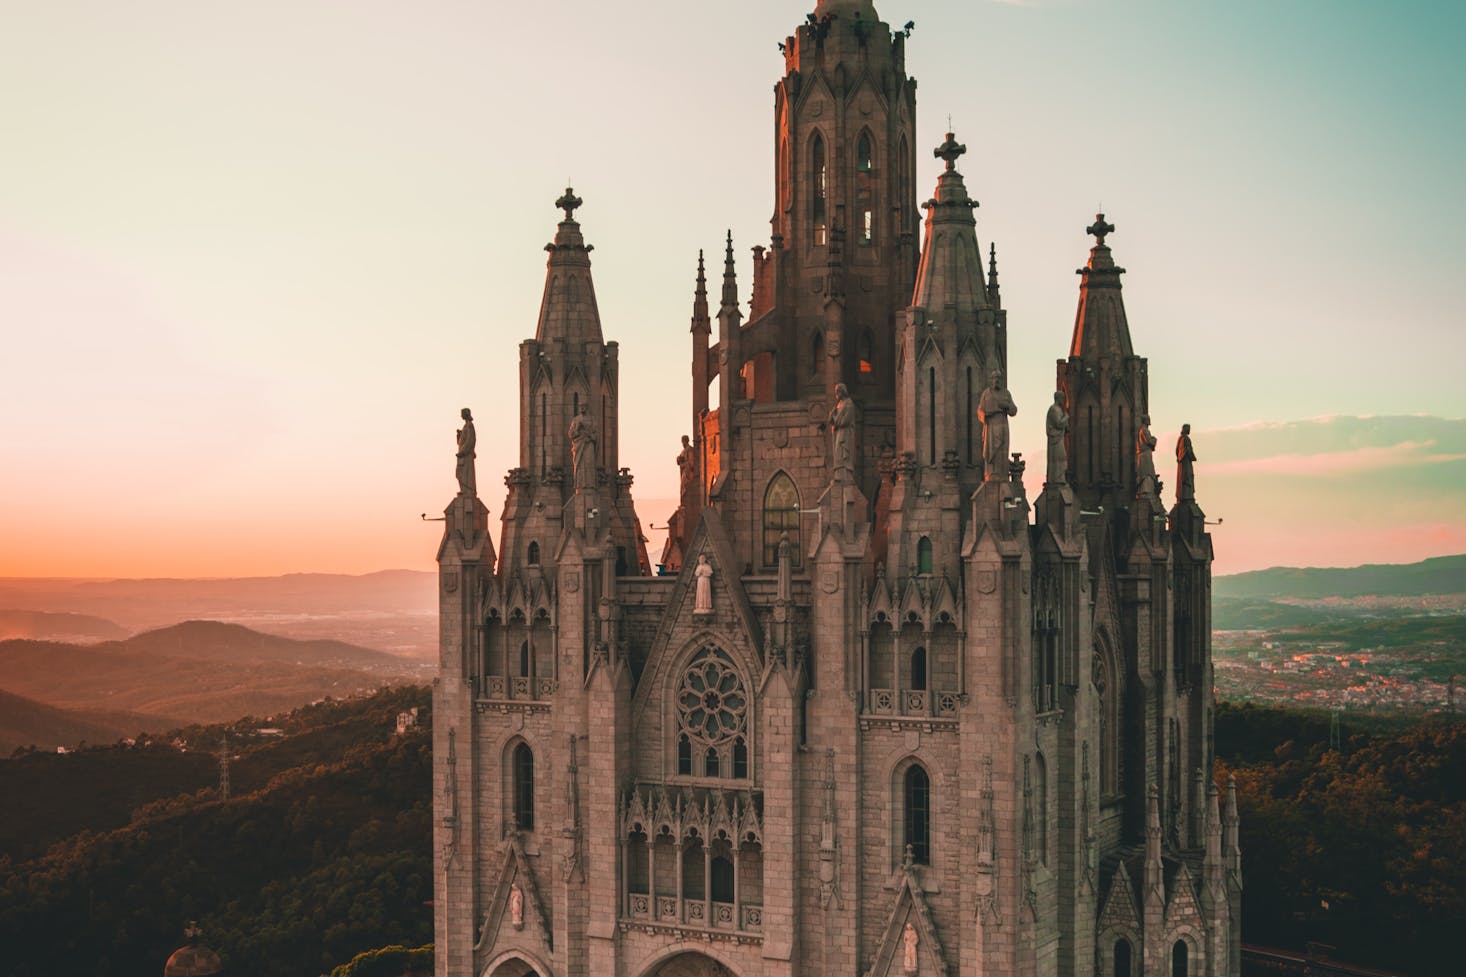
{"points": [[702, 601], [909, 940], [1145, 442], [1056, 425], [842, 427], [583, 450], [686, 465], [993, 409], [1185, 472], [516, 906], [466, 442]]}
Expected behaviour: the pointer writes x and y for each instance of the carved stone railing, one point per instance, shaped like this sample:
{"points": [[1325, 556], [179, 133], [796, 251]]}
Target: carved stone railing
{"points": [[694, 913], [516, 688], [912, 702]]}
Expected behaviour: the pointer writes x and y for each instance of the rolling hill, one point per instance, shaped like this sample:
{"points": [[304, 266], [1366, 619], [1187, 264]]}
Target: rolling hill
{"points": [[53, 626], [25, 722], [1440, 575], [199, 671]]}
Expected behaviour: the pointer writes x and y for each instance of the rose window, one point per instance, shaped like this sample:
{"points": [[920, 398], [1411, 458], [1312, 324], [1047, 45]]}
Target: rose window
{"points": [[711, 702]]}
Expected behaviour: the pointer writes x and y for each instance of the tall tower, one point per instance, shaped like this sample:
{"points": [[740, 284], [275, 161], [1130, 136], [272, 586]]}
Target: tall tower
{"points": [[877, 715]]}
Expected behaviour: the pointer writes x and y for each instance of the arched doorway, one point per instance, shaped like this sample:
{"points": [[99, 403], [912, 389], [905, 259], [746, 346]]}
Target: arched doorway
{"points": [[689, 965], [512, 966]]}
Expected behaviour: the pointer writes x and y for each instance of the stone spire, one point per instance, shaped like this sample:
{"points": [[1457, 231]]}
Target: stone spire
{"points": [[730, 276], [994, 297], [1100, 327], [950, 276], [700, 320], [568, 310]]}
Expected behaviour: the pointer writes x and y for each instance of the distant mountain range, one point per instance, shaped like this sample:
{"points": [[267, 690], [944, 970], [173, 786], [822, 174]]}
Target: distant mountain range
{"points": [[198, 671], [395, 610], [1439, 575]]}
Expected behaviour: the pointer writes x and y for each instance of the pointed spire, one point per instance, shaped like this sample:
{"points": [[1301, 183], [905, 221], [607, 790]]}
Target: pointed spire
{"points": [[1154, 877], [568, 310], [1231, 849], [730, 276], [1100, 326], [993, 273], [950, 275], [700, 320]]}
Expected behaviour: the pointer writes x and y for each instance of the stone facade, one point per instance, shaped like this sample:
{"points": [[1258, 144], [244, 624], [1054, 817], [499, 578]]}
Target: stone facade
{"points": [[879, 715]]}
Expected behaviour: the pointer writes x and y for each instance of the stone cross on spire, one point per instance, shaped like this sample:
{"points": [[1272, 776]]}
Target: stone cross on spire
{"points": [[949, 151], [1099, 229], [568, 203]]}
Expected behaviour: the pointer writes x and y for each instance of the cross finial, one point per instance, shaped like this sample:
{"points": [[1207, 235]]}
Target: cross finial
{"points": [[568, 203], [1099, 229], [949, 151]]}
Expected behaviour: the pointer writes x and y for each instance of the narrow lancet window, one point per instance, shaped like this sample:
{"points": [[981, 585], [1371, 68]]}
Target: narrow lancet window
{"points": [[817, 190], [918, 815], [524, 787]]}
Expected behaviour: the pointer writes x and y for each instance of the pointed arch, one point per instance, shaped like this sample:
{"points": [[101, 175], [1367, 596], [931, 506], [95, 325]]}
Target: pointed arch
{"points": [[781, 515], [864, 189], [866, 350], [522, 787], [818, 188], [916, 805], [863, 151], [924, 561]]}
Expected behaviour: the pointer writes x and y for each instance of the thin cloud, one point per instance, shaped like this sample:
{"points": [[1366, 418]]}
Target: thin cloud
{"points": [[1331, 463]]}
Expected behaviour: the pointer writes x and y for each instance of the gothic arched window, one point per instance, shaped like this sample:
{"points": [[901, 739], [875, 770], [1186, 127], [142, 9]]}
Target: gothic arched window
{"points": [[781, 515], [524, 659], [721, 884], [866, 350], [924, 555], [917, 811], [524, 787], [533, 555], [1122, 958], [1178, 959], [817, 189], [918, 670], [712, 717], [862, 153]]}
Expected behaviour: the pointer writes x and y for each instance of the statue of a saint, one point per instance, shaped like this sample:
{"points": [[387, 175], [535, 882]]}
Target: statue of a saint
{"points": [[466, 441], [1185, 472], [908, 941], [1057, 427], [702, 600], [516, 907], [583, 450], [994, 408], [1145, 443], [842, 428], [686, 465]]}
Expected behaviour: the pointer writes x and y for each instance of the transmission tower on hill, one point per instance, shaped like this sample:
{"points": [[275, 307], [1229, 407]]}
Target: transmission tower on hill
{"points": [[224, 768]]}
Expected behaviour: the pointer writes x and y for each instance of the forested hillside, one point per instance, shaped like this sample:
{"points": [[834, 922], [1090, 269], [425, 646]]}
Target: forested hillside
{"points": [[322, 852]]}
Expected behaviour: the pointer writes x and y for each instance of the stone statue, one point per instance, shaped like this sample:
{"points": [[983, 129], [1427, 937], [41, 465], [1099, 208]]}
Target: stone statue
{"points": [[702, 601], [466, 441], [1057, 427], [1145, 443], [993, 409], [842, 427], [1185, 471], [686, 465], [516, 907], [583, 450], [909, 940]]}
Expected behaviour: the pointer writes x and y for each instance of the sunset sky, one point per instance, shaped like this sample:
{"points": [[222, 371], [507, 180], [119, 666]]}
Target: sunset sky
{"points": [[255, 256]]}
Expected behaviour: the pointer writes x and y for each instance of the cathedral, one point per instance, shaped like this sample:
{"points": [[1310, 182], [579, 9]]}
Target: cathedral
{"points": [[876, 712]]}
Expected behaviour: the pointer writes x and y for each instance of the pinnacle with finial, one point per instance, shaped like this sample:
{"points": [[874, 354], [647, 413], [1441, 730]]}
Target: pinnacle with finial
{"points": [[568, 203], [949, 151], [1099, 229]]}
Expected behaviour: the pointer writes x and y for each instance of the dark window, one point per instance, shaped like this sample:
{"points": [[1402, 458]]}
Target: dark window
{"points": [[817, 355], [781, 515], [924, 555], [918, 670], [684, 756], [1122, 958], [918, 814], [524, 787], [622, 567], [524, 658], [867, 358], [740, 758], [862, 153], [931, 415], [534, 554], [1178, 959], [711, 763], [692, 869], [722, 881], [817, 188]]}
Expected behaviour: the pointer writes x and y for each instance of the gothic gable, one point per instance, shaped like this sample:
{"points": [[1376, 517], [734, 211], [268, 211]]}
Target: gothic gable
{"points": [[515, 917], [909, 942]]}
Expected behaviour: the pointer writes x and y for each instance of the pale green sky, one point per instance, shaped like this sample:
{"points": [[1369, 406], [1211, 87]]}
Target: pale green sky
{"points": [[255, 256]]}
